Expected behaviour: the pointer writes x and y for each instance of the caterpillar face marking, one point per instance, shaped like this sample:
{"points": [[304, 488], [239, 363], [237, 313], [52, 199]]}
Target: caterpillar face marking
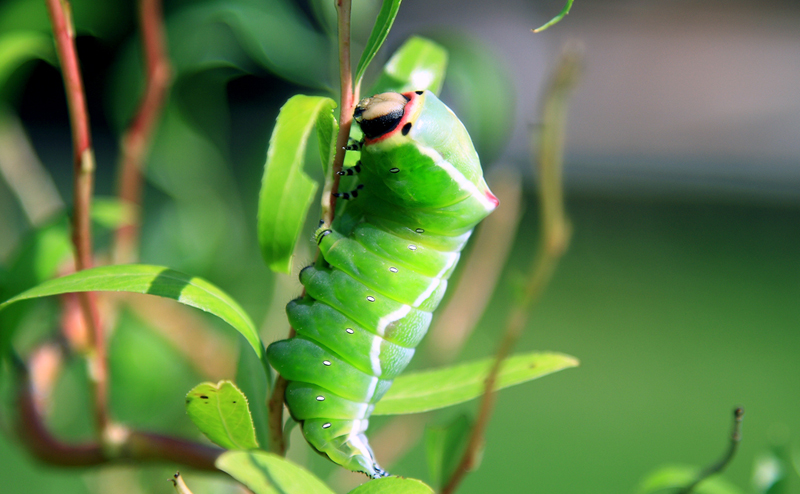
{"points": [[386, 262]]}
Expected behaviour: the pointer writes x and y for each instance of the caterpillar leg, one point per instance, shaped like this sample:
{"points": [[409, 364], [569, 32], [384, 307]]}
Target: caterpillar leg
{"points": [[350, 171], [354, 145], [349, 195]]}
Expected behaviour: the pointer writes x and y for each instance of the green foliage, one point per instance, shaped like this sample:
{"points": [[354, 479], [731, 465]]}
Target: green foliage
{"points": [[473, 72], [418, 64], [220, 411], [19, 47], [393, 485], [422, 391], [557, 18], [444, 447], [671, 479], [267, 473], [286, 191], [151, 280], [379, 32]]}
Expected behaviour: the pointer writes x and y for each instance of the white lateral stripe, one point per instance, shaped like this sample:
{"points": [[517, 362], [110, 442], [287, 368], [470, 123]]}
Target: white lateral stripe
{"points": [[459, 177], [427, 293], [450, 262], [394, 316], [375, 356]]}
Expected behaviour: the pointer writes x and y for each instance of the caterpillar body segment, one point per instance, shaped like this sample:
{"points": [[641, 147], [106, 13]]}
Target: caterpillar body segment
{"points": [[384, 269]]}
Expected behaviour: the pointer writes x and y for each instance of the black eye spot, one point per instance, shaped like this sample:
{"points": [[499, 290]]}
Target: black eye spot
{"points": [[204, 397], [419, 92], [406, 129]]}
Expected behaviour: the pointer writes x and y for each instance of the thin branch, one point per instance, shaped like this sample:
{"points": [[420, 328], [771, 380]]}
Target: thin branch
{"points": [[736, 437], [138, 137], [276, 401], [554, 239], [83, 186], [122, 445]]}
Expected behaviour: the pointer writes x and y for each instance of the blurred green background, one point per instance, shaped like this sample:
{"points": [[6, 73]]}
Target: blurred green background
{"points": [[680, 292]]}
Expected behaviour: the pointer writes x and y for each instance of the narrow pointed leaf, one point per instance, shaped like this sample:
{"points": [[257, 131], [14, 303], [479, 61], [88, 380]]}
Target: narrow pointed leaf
{"points": [[419, 64], [153, 280], [674, 477], [557, 18], [444, 447], [19, 47], [267, 473], [428, 390], [220, 411], [393, 485], [254, 385], [286, 190], [379, 32]]}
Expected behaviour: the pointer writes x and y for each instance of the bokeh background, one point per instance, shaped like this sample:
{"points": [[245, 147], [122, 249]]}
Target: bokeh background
{"points": [[680, 292]]}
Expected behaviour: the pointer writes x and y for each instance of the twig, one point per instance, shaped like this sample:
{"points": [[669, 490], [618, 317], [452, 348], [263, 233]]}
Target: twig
{"points": [[275, 404], [555, 233], [83, 185], [129, 445], [736, 437], [138, 137]]}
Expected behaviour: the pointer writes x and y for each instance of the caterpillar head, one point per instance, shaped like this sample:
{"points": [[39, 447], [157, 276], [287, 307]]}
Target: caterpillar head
{"points": [[421, 151]]}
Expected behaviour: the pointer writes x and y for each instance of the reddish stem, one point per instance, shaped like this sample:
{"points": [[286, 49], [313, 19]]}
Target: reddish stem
{"points": [[138, 137], [83, 186], [135, 445], [276, 401]]}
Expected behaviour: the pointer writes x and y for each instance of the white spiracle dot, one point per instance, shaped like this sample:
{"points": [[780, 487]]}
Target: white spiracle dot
{"points": [[326, 425], [370, 298], [419, 230], [393, 269], [320, 398], [412, 247], [350, 330], [326, 362]]}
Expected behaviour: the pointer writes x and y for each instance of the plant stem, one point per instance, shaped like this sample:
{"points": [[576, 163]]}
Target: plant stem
{"points": [[347, 102], [554, 239], [736, 437], [137, 139], [276, 401], [128, 446], [83, 185]]}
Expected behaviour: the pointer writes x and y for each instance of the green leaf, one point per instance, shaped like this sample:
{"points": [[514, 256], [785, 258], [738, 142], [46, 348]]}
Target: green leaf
{"points": [[220, 411], [393, 485], [419, 64], [38, 258], [557, 18], [286, 191], [770, 470], [481, 92], [379, 32], [417, 392], [110, 212], [153, 280], [267, 473], [444, 446], [18, 47], [669, 478], [254, 385]]}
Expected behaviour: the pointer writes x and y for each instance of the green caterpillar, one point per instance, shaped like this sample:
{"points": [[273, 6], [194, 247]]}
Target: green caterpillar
{"points": [[387, 259]]}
